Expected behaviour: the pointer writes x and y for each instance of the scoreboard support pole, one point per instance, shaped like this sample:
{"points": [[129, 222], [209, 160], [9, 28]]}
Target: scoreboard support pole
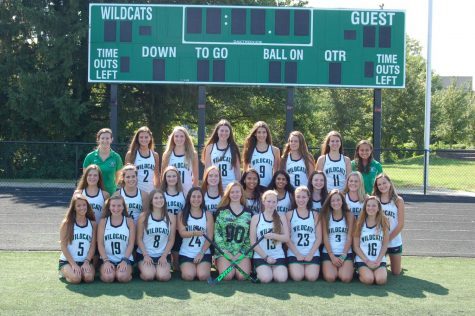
{"points": [[377, 123], [201, 123], [289, 111], [114, 112]]}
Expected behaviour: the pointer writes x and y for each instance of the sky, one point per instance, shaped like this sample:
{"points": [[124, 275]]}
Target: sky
{"points": [[453, 29]]}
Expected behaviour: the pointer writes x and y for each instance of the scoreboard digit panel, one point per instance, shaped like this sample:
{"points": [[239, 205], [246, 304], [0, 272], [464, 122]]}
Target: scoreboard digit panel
{"points": [[230, 45]]}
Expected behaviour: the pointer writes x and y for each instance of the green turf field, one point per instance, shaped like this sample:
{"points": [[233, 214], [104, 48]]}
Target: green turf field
{"points": [[443, 173], [29, 284]]}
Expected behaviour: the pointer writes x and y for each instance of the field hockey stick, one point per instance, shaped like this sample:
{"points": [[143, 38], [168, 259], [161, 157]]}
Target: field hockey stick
{"points": [[246, 275]]}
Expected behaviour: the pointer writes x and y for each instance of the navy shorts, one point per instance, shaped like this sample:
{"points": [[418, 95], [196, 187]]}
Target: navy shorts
{"points": [[154, 259], [292, 259], [362, 264], [184, 259], [326, 256], [101, 262], [394, 250], [63, 263], [261, 262]]}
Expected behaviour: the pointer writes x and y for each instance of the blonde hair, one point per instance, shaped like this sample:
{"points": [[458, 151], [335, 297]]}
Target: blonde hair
{"points": [[163, 182], [226, 200], [392, 190], [135, 145], [189, 147], [361, 191], [276, 222], [303, 151], [381, 220], [127, 167], [204, 185]]}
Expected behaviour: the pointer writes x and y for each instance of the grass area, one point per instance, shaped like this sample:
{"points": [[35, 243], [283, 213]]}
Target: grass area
{"points": [[443, 173], [30, 285]]}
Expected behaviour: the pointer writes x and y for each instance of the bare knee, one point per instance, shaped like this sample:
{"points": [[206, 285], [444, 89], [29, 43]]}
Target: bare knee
{"points": [[124, 277], [107, 278], [187, 276], [74, 279], [367, 279], [88, 278]]}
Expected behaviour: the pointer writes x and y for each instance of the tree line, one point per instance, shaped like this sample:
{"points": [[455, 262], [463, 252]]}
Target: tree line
{"points": [[44, 94]]}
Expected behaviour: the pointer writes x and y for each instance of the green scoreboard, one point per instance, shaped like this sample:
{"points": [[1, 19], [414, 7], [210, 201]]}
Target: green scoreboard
{"points": [[241, 45]]}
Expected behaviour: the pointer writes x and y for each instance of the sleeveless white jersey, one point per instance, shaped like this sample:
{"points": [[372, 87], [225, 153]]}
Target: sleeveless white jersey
{"points": [[272, 248], [79, 246], [263, 162], [284, 204], [254, 205], [297, 171], [302, 233], [338, 235], [354, 206], [371, 243], [116, 240], [190, 247], [211, 203], [390, 210], [134, 204], [316, 206], [155, 237], [184, 169], [222, 159], [175, 203], [97, 202], [335, 171], [146, 168]]}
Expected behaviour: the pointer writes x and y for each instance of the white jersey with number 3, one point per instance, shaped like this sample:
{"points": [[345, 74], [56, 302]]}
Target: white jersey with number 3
{"points": [[337, 235]]}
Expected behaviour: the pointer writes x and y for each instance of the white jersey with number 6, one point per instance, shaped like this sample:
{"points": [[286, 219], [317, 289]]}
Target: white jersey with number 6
{"points": [[191, 246], [297, 171]]}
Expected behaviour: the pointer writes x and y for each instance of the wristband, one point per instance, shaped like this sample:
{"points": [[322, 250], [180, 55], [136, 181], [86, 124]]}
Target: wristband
{"points": [[202, 252], [343, 257], [126, 260]]}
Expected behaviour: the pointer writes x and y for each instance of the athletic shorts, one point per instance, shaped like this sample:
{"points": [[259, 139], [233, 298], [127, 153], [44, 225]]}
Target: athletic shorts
{"points": [[261, 262], [326, 256], [394, 250], [63, 263], [292, 259], [101, 262], [154, 259], [362, 264], [183, 259]]}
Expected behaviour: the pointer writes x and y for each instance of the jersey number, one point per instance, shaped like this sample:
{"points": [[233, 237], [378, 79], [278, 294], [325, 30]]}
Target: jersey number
{"points": [[338, 238], [262, 172], [336, 180], [115, 246], [182, 175], [224, 170], [195, 240], [146, 176], [81, 249], [303, 240], [270, 244], [235, 234], [372, 249], [297, 180], [156, 241]]}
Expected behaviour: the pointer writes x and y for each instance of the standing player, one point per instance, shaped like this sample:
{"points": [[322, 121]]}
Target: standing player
{"points": [[354, 193], [212, 189], [317, 185], [305, 238], [285, 192], [175, 199], [193, 222], [337, 229], [364, 162], [155, 237], [231, 232], [252, 190], [333, 163], [296, 160], [180, 153], [133, 196], [78, 242], [92, 187], [393, 207], [269, 257], [115, 239], [259, 153], [142, 154], [222, 151], [107, 159], [370, 243]]}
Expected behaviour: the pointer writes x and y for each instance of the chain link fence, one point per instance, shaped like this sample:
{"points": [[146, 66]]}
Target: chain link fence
{"points": [[59, 165]]}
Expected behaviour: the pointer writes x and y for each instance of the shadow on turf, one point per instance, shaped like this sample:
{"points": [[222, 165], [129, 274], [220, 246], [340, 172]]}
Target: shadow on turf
{"points": [[404, 285], [39, 197]]}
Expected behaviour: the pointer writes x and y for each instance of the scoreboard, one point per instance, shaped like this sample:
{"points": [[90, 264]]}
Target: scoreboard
{"points": [[246, 45]]}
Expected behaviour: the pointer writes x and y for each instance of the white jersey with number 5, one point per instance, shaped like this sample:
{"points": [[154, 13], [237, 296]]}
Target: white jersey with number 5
{"points": [[272, 248], [155, 237], [371, 242], [263, 162], [297, 171], [184, 168], [337, 235], [145, 168], [222, 159], [79, 246], [191, 246], [335, 171]]}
